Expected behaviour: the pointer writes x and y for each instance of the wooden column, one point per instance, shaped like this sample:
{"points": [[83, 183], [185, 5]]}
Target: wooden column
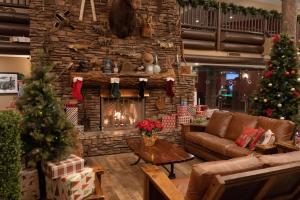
{"points": [[289, 18]]}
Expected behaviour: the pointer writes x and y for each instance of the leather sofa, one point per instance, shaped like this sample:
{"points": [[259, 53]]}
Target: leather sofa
{"points": [[216, 141], [274, 176]]}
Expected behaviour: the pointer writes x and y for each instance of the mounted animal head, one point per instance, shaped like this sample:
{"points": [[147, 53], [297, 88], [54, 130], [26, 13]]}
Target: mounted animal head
{"points": [[122, 18]]}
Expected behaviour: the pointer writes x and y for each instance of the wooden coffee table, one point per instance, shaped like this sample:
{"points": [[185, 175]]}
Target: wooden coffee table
{"points": [[161, 153]]}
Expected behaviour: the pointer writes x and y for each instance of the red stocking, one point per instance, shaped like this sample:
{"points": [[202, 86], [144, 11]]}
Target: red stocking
{"points": [[169, 87], [76, 88]]}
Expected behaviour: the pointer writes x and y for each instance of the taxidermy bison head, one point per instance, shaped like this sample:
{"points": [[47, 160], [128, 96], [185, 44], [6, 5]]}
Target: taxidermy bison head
{"points": [[122, 18]]}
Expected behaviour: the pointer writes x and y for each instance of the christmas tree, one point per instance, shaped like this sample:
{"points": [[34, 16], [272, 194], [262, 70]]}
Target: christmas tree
{"points": [[47, 133], [278, 94]]}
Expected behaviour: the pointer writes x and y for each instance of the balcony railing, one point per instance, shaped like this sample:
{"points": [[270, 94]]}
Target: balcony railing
{"points": [[208, 19], [15, 3]]}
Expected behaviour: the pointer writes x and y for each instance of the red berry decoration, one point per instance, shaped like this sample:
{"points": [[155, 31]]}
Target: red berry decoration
{"points": [[276, 38], [268, 74], [269, 112]]}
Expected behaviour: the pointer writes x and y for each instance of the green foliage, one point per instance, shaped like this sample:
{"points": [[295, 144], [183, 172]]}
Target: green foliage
{"points": [[227, 7], [47, 135], [278, 95], [10, 155]]}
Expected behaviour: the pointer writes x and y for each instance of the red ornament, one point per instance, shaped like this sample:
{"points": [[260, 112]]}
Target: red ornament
{"points": [[269, 112], [270, 65], [268, 74], [286, 73], [276, 38], [296, 94]]}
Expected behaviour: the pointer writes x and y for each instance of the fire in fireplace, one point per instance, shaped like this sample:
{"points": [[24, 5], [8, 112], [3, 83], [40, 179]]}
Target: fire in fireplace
{"points": [[121, 113]]}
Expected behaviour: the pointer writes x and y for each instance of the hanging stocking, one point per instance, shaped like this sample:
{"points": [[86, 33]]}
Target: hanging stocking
{"points": [[141, 86], [76, 88], [169, 87], [115, 87]]}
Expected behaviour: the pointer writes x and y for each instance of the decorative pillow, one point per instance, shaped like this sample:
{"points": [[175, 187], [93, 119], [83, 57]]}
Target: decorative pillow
{"points": [[244, 139], [255, 139], [267, 138]]}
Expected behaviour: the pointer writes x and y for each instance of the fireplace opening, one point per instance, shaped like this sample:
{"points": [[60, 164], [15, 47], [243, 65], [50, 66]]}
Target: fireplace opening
{"points": [[122, 113]]}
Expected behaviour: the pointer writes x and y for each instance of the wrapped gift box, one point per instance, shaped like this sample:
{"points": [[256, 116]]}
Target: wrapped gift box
{"points": [[191, 110], [184, 119], [66, 167], [30, 185], [200, 108], [182, 110], [72, 113], [169, 121], [75, 186]]}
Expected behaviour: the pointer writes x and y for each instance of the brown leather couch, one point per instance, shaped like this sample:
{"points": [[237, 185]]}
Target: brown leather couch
{"points": [[274, 176], [216, 141]]}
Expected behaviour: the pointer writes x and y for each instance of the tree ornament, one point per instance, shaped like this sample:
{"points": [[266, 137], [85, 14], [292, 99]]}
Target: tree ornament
{"points": [[286, 73], [270, 84], [276, 38], [265, 100], [255, 98], [296, 94], [278, 95], [279, 105], [269, 112], [270, 65], [293, 89], [268, 74], [293, 72], [298, 79]]}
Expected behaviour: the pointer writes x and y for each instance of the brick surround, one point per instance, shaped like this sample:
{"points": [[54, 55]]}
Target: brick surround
{"points": [[96, 142]]}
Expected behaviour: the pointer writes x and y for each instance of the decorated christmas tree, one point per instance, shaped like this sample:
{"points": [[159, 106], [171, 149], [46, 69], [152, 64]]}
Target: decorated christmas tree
{"points": [[278, 95], [47, 133]]}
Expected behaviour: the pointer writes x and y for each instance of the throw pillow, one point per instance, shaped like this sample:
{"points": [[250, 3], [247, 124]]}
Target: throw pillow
{"points": [[244, 139], [255, 139], [267, 138]]}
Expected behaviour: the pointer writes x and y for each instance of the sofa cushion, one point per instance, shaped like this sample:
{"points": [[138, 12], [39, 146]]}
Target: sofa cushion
{"points": [[280, 159], [283, 129], [203, 173], [234, 151], [211, 142], [181, 184], [218, 123], [238, 123]]}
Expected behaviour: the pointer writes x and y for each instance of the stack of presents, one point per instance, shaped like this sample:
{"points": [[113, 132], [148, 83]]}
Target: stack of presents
{"points": [[185, 115], [71, 110], [65, 180]]}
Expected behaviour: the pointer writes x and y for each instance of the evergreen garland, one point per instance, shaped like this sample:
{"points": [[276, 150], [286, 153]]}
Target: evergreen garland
{"points": [[227, 7]]}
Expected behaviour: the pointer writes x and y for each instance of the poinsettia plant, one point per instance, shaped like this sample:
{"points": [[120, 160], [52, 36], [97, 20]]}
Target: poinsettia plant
{"points": [[149, 126]]}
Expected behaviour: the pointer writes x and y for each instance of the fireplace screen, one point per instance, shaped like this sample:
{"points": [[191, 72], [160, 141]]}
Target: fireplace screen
{"points": [[121, 113]]}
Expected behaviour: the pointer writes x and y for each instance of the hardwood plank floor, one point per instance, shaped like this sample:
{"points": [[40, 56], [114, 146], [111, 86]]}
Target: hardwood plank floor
{"points": [[121, 181]]}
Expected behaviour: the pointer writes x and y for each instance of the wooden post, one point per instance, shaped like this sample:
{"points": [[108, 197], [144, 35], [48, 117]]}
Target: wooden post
{"points": [[219, 28], [289, 18]]}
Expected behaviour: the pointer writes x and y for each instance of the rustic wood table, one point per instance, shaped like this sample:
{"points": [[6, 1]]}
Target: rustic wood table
{"points": [[161, 153], [286, 146]]}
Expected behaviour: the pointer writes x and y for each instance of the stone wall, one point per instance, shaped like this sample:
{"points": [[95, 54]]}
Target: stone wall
{"points": [[165, 14]]}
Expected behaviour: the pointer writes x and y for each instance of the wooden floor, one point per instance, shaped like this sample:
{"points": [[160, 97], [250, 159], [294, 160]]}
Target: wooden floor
{"points": [[124, 182]]}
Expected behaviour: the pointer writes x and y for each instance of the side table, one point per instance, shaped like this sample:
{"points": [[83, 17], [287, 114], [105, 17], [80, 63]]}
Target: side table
{"points": [[286, 146], [266, 149]]}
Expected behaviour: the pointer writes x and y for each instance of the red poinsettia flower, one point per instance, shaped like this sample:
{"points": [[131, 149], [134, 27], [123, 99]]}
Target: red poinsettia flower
{"points": [[149, 126], [268, 74], [276, 38], [269, 112]]}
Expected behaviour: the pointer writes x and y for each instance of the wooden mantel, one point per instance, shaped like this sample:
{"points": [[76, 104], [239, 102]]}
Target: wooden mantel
{"points": [[97, 78]]}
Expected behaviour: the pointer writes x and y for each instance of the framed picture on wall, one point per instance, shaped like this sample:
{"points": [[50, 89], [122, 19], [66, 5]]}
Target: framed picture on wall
{"points": [[8, 83]]}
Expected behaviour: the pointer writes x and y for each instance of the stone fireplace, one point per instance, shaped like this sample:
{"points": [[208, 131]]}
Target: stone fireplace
{"points": [[109, 122], [121, 113]]}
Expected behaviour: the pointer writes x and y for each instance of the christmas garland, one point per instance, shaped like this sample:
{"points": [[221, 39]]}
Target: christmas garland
{"points": [[227, 7]]}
